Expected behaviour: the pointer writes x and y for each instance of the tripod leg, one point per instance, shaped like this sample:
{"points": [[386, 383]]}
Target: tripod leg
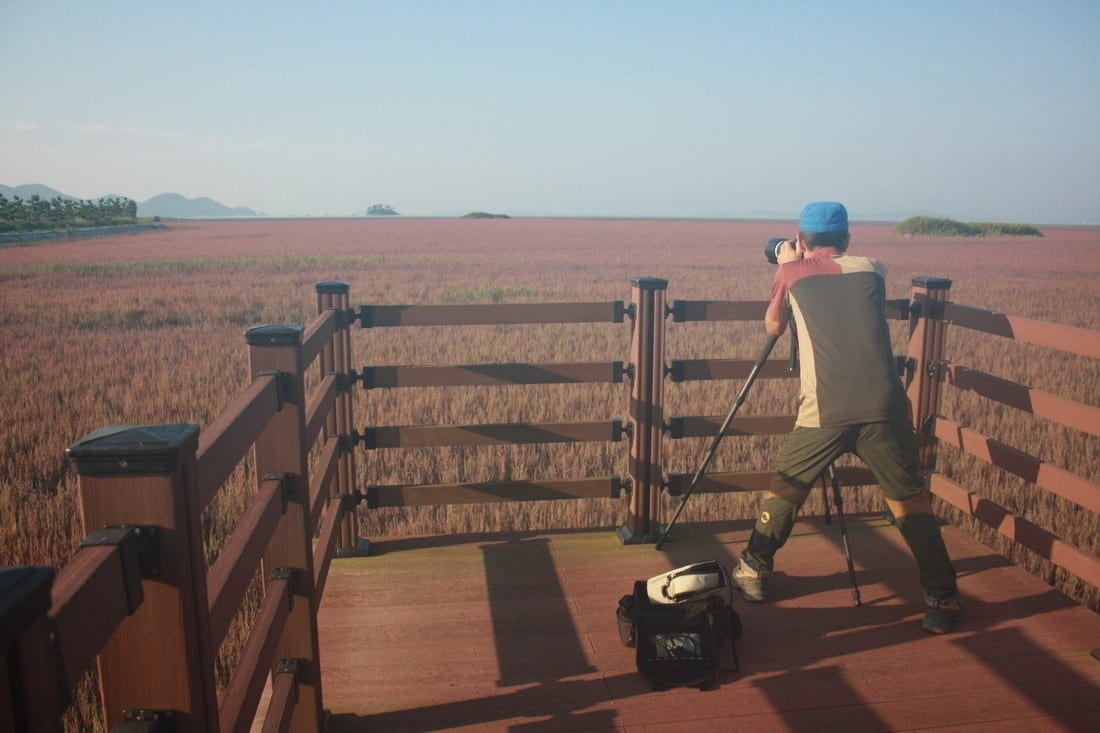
{"points": [[844, 533], [825, 497], [756, 367]]}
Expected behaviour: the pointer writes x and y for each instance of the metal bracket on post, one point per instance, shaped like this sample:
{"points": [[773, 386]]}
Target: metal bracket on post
{"points": [[282, 384], [284, 483], [140, 554], [619, 486], [369, 496], [364, 317], [288, 574], [937, 369], [343, 381], [928, 429], [294, 667], [146, 721]]}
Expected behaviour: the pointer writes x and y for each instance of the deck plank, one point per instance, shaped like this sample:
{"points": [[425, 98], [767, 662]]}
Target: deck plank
{"points": [[517, 632]]}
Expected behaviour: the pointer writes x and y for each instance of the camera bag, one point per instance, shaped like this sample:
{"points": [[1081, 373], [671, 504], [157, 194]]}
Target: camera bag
{"points": [[679, 623]]}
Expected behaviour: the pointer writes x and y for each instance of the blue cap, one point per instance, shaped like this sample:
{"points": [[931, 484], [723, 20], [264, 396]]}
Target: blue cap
{"points": [[823, 216]]}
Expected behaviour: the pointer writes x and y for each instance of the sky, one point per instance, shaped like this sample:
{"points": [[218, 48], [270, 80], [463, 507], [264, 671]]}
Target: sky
{"points": [[970, 109]]}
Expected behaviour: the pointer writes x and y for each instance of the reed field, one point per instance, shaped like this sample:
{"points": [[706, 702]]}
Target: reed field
{"points": [[148, 329]]}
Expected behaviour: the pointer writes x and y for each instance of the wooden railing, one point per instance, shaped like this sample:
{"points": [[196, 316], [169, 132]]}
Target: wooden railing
{"points": [[140, 600], [1014, 460]]}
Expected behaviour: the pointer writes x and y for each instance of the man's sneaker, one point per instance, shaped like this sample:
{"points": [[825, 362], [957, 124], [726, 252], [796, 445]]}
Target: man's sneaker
{"points": [[751, 583], [940, 613]]}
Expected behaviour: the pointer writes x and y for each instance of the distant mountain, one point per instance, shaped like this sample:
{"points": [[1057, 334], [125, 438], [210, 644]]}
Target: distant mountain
{"points": [[31, 189], [166, 205], [174, 206]]}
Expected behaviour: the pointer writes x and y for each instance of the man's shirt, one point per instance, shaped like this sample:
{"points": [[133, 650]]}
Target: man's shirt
{"points": [[847, 366]]}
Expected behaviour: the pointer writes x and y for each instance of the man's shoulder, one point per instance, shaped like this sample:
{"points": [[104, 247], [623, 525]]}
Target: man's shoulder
{"points": [[857, 263]]}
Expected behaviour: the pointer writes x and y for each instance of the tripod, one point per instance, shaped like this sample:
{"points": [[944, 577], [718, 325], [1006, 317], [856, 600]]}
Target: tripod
{"points": [[831, 471]]}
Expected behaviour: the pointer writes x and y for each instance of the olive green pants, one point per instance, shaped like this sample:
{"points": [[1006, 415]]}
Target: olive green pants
{"points": [[890, 451]]}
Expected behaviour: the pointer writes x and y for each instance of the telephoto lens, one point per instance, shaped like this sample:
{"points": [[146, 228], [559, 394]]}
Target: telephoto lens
{"points": [[771, 249]]}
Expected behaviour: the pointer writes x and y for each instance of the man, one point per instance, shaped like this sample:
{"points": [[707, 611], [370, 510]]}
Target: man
{"points": [[851, 400]]}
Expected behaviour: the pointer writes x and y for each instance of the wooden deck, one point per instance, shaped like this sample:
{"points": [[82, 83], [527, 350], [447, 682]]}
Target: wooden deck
{"points": [[517, 632]]}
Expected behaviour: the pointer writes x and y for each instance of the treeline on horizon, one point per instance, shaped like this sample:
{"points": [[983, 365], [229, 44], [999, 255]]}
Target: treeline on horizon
{"points": [[38, 214], [951, 228]]}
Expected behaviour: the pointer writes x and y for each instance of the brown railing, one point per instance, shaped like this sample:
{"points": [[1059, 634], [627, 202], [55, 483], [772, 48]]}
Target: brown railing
{"points": [[1013, 460], [140, 599]]}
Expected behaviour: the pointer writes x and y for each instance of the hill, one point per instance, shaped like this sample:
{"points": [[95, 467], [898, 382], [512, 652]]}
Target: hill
{"points": [[175, 206], [32, 189], [166, 205]]}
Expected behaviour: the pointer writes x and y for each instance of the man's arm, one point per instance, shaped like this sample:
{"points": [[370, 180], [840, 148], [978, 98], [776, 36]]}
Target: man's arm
{"points": [[775, 328], [778, 313], [775, 320]]}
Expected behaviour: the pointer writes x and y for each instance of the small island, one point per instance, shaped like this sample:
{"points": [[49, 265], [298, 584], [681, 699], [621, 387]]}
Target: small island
{"points": [[381, 210], [936, 227], [484, 215]]}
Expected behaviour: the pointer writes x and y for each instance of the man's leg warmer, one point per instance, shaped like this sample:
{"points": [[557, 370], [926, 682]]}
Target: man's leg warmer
{"points": [[772, 529], [925, 539]]}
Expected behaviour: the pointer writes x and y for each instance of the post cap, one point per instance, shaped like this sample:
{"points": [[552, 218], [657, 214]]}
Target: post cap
{"points": [[649, 283], [931, 283], [333, 287], [275, 334], [131, 449]]}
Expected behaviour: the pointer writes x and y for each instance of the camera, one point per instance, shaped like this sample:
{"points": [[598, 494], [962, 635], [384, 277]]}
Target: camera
{"points": [[771, 249]]}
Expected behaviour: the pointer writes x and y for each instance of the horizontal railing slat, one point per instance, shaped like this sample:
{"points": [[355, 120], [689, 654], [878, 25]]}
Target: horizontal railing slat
{"points": [[493, 492], [242, 698], [325, 547], [280, 708], [745, 481], [226, 441], [707, 426], [1056, 480], [491, 434], [1074, 340], [229, 577], [698, 370], [320, 407], [318, 334], [717, 310], [493, 314], [320, 478], [752, 310], [491, 374], [1039, 403], [1084, 565], [93, 579]]}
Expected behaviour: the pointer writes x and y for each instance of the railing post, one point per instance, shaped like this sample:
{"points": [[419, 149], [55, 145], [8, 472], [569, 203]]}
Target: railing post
{"points": [[281, 450], [31, 697], [161, 657], [333, 295], [647, 355], [925, 357]]}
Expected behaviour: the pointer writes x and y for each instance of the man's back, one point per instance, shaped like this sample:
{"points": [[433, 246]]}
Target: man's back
{"points": [[848, 372]]}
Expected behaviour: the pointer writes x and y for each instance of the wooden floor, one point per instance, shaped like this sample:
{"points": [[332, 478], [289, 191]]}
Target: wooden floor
{"points": [[517, 632]]}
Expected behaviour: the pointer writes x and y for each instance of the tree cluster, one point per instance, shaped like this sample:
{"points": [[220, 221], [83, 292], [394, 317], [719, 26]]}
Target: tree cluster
{"points": [[38, 214], [381, 210], [951, 228]]}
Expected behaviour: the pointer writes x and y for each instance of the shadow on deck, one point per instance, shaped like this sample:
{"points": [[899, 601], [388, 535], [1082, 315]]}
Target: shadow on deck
{"points": [[516, 632]]}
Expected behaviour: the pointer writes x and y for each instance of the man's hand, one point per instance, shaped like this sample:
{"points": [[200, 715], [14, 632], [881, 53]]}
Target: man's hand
{"points": [[787, 252]]}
